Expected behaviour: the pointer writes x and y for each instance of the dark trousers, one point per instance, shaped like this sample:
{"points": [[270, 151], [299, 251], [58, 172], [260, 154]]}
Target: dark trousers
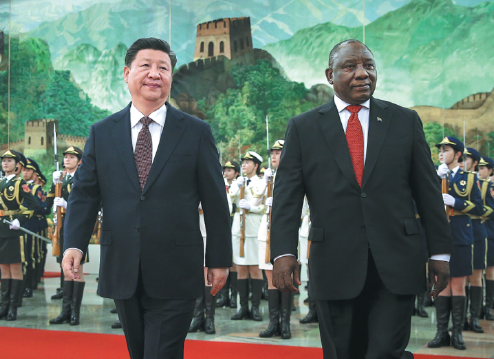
{"points": [[374, 325], [154, 328]]}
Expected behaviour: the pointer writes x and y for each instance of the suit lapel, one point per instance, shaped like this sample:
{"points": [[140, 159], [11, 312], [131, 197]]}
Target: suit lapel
{"points": [[122, 137], [377, 132], [171, 135], [330, 124]]}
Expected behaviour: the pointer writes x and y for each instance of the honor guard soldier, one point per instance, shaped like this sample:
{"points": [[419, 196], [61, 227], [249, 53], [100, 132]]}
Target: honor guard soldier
{"points": [[231, 170], [205, 307], [280, 304], [244, 235], [486, 168], [72, 290], [311, 316], [21, 164], [17, 206], [463, 198], [31, 243], [476, 291], [43, 224]]}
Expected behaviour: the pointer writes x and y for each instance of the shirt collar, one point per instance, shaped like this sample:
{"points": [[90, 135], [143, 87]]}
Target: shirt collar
{"points": [[9, 177], [341, 105], [454, 170], [157, 116]]}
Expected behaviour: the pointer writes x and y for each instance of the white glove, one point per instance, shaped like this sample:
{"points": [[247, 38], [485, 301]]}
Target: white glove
{"points": [[269, 201], [60, 202], [268, 173], [448, 199], [15, 224], [200, 205], [240, 181], [56, 176], [244, 204], [443, 170]]}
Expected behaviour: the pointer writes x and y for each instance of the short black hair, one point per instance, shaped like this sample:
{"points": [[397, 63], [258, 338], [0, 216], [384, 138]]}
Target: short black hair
{"points": [[337, 47], [149, 43]]}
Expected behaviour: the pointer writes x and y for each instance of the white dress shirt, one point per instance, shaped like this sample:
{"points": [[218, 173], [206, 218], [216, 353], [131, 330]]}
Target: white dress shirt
{"points": [[155, 127], [363, 116]]}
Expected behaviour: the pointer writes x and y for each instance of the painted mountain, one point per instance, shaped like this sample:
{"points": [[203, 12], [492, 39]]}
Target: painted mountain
{"points": [[428, 52]]}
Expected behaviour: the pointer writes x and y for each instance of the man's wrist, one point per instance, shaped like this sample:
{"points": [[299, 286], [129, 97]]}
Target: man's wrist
{"points": [[283, 255], [65, 251], [441, 257]]}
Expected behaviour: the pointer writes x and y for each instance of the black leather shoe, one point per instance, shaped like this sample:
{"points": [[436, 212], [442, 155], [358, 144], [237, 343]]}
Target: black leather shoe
{"points": [[59, 294]]}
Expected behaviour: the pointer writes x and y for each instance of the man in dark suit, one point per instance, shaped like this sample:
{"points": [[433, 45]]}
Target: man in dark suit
{"points": [[366, 259], [149, 166]]}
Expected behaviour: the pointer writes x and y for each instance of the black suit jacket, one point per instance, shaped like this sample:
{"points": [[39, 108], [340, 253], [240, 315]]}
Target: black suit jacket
{"points": [[156, 228], [348, 220]]}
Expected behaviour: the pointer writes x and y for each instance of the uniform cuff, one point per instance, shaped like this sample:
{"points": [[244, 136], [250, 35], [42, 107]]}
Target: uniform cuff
{"points": [[441, 257]]}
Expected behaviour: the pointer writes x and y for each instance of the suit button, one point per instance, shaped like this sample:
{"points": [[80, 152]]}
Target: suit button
{"points": [[363, 195], [136, 229], [362, 227], [143, 198]]}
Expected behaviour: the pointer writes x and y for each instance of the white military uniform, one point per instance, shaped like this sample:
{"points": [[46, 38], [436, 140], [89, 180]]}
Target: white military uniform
{"points": [[202, 225], [303, 234], [253, 192], [263, 236]]}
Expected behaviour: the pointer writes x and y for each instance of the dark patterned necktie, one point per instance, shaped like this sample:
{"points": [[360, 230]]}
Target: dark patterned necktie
{"points": [[355, 140], [144, 151]]}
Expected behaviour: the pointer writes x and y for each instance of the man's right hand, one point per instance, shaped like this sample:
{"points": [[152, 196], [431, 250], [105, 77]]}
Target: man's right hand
{"points": [[283, 269], [438, 275], [70, 263]]}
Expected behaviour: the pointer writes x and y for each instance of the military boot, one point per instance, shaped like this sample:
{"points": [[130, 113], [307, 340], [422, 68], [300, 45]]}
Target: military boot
{"points": [[15, 294], [243, 292], [64, 316], [5, 290], [274, 315], [224, 295], [286, 310], [420, 310], [311, 317], [210, 305], [197, 323], [443, 308], [75, 306], [458, 318], [476, 294], [257, 285], [489, 299], [233, 289]]}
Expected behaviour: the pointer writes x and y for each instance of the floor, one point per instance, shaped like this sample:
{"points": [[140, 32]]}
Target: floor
{"points": [[96, 318]]}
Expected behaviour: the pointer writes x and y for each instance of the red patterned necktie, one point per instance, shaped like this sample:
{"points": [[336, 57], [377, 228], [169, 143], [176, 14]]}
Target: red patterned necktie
{"points": [[355, 140], [144, 151]]}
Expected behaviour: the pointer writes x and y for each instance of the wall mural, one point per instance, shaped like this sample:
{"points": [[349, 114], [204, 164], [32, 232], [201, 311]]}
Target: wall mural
{"points": [[240, 61]]}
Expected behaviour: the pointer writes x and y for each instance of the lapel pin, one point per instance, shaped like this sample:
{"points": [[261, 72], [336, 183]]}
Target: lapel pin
{"points": [[379, 119]]}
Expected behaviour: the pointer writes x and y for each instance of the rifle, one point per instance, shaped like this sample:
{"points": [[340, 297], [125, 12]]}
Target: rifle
{"points": [[267, 257], [242, 221], [444, 189], [57, 218]]}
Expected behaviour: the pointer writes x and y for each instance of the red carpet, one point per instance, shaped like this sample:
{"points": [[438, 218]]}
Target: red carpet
{"points": [[51, 274], [18, 343]]}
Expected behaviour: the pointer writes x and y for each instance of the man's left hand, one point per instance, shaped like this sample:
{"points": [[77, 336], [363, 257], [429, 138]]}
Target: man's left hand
{"points": [[438, 275], [217, 278]]}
